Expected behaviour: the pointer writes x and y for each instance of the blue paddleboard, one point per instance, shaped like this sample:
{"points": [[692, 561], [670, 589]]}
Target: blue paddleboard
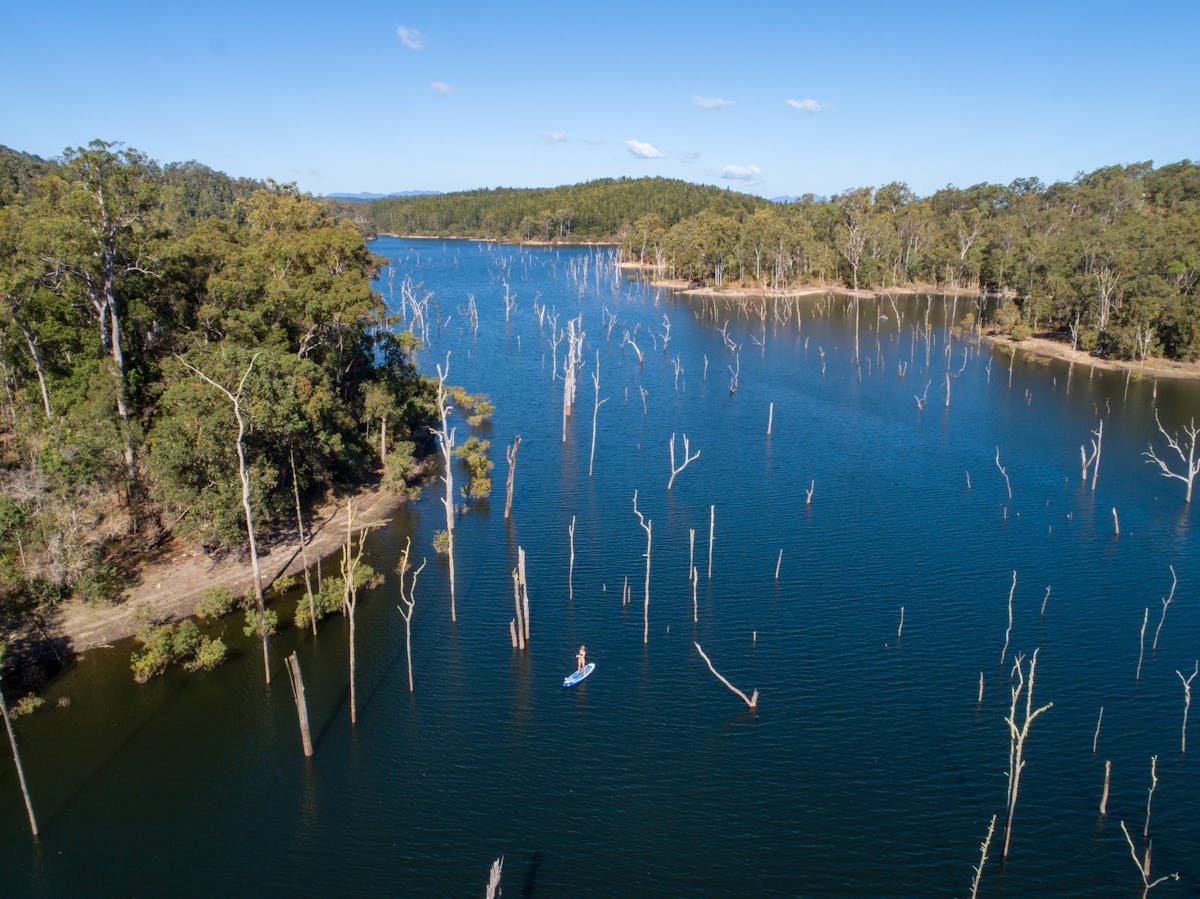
{"points": [[579, 675]]}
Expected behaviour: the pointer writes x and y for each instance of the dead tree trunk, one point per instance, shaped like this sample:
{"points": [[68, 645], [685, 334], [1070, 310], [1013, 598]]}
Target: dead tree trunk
{"points": [[595, 412], [571, 564], [1104, 792], [1003, 471], [493, 887], [712, 525], [983, 851], [1017, 737], [312, 606], [524, 584], [1150, 794], [645, 524], [408, 602], [1166, 602], [1187, 703], [351, 559], [12, 741], [751, 701], [511, 454], [446, 441], [236, 400], [1142, 644], [1190, 462], [1143, 866], [687, 459], [1008, 631], [292, 663]]}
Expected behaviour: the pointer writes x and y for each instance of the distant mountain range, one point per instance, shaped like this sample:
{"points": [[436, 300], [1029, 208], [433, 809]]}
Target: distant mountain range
{"points": [[367, 197]]}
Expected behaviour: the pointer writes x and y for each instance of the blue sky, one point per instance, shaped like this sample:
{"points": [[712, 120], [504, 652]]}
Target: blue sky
{"points": [[769, 98]]}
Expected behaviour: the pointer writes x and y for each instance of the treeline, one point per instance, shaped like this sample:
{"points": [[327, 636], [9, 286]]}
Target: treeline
{"points": [[592, 211], [132, 296], [1109, 261]]}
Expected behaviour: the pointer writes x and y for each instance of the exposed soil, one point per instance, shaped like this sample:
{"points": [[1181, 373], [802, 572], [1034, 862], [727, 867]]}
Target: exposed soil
{"points": [[1055, 349], [171, 583]]}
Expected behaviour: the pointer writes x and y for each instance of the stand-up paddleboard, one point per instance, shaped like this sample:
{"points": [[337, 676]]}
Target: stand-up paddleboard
{"points": [[579, 675]]}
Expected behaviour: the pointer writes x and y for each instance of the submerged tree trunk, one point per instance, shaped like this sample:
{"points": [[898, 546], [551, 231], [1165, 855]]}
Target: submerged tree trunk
{"points": [[12, 741]]}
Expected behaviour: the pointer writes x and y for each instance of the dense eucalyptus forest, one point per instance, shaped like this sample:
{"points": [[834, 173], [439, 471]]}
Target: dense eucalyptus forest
{"points": [[1109, 261], [135, 301]]}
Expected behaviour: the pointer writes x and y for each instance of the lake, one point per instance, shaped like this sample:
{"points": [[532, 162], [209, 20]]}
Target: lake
{"points": [[870, 766]]}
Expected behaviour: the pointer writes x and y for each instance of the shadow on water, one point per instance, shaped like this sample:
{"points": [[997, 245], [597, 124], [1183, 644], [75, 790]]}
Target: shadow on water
{"points": [[529, 884]]}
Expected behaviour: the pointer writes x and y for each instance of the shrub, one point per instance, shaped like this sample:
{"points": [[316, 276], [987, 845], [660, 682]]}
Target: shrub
{"points": [[164, 645], [216, 602], [209, 655], [254, 624], [27, 705]]}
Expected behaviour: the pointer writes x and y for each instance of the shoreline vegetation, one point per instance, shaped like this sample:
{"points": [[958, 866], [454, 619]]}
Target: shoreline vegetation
{"points": [[121, 350]]}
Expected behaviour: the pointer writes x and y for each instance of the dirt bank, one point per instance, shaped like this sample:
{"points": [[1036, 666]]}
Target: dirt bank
{"points": [[170, 584]]}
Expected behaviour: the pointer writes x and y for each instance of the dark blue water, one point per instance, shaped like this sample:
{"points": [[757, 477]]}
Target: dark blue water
{"points": [[869, 769]]}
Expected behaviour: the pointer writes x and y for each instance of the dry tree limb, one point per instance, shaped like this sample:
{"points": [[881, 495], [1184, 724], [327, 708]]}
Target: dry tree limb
{"points": [[1150, 794], [687, 460], [979, 698], [571, 564], [1142, 647], [808, 494], [1096, 735], [1187, 702], [900, 629], [1045, 599], [1191, 463], [712, 525], [1017, 737], [493, 886], [1166, 602], [645, 525], [695, 602], [1008, 631], [595, 411], [751, 701], [1144, 866], [1003, 471], [1104, 793], [408, 602], [770, 417], [1116, 523], [510, 453], [778, 562], [983, 851]]}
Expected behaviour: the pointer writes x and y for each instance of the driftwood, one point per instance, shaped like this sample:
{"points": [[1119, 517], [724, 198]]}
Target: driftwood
{"points": [[751, 701]]}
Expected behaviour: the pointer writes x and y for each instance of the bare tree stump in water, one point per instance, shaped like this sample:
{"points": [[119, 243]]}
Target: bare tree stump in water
{"points": [[511, 454], [292, 663], [493, 887], [1104, 792]]}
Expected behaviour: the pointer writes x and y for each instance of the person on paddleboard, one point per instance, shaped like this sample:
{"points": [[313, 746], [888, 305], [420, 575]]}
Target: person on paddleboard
{"points": [[581, 658]]}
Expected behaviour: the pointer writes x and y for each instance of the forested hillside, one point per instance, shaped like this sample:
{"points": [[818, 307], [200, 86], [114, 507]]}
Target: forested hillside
{"points": [[1109, 261], [137, 301]]}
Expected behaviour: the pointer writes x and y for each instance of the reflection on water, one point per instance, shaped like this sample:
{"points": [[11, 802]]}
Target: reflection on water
{"points": [[870, 767]]}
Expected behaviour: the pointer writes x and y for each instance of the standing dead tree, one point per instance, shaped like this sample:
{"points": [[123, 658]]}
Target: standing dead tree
{"points": [[1166, 602], [235, 399], [751, 701], [1187, 703], [493, 886], [983, 851], [1191, 463], [445, 436], [408, 603], [1142, 644], [350, 563], [571, 366], [712, 527], [595, 411], [510, 453], [1004, 472], [1018, 735], [1087, 461], [645, 525], [312, 606], [1150, 794], [1008, 630], [571, 564], [687, 459], [16, 753], [1143, 865], [292, 663], [520, 625]]}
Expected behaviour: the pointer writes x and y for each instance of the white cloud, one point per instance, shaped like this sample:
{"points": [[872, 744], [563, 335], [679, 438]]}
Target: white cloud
{"points": [[807, 105], [749, 173], [643, 150], [711, 102], [554, 137], [410, 37], [441, 88]]}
